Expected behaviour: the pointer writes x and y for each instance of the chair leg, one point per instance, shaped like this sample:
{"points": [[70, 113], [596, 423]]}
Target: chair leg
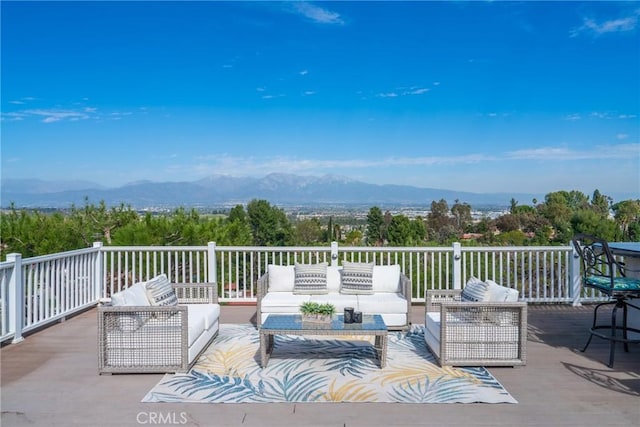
{"points": [[612, 345], [595, 322], [624, 326]]}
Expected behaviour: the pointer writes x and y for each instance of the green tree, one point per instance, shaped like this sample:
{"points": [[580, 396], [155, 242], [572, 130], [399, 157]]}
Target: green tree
{"points": [[600, 203], [269, 224], [237, 213], [418, 231], [353, 238], [308, 231], [462, 215], [591, 222], [399, 231], [627, 216], [375, 227], [439, 225], [93, 222]]}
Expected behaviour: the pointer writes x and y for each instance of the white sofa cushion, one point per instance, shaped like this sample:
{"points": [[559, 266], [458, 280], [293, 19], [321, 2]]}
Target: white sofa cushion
{"points": [[339, 301], [382, 302], [160, 292], [281, 278], [310, 278], [333, 279], [498, 293], [386, 278], [283, 302], [197, 322], [209, 312], [357, 278], [135, 295]]}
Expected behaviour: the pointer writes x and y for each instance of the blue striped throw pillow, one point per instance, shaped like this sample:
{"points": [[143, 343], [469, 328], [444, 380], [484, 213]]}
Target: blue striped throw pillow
{"points": [[310, 279], [357, 278], [160, 292], [475, 291]]}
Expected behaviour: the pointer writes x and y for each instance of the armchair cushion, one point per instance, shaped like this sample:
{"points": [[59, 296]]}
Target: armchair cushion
{"points": [[603, 283], [133, 295], [499, 293]]}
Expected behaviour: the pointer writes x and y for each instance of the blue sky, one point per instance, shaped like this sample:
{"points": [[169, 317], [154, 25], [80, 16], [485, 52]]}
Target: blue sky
{"points": [[473, 96]]}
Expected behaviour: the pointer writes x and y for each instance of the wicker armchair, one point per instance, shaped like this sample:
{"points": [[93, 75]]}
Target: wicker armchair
{"points": [[461, 333], [146, 339]]}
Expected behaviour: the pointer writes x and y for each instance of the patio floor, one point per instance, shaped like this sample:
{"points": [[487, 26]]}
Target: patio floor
{"points": [[51, 379]]}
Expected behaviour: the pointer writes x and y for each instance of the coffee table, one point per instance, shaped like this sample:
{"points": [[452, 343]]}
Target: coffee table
{"points": [[292, 324]]}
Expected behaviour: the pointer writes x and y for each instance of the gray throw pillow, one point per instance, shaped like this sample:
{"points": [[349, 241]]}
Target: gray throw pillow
{"points": [[475, 291], [160, 292], [310, 279], [357, 278]]}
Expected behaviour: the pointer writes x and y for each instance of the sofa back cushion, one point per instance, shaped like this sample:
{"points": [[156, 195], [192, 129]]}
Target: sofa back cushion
{"points": [[135, 295], [310, 279], [281, 278], [357, 278], [386, 278], [498, 293], [333, 279], [160, 292]]}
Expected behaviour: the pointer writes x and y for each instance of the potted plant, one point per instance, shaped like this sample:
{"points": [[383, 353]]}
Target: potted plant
{"points": [[316, 312]]}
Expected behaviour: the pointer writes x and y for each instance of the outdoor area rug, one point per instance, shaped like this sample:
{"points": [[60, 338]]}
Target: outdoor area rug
{"points": [[324, 369]]}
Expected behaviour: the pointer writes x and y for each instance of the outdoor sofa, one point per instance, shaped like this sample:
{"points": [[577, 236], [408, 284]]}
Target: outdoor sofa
{"points": [[377, 289], [157, 326], [483, 324]]}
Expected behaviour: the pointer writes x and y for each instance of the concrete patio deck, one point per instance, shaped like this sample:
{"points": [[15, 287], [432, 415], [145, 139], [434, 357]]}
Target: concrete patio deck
{"points": [[51, 379]]}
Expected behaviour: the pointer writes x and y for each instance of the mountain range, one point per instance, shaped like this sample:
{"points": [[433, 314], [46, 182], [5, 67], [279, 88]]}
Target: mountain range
{"points": [[222, 190]]}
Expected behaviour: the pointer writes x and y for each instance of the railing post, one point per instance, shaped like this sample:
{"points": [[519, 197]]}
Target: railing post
{"points": [[98, 273], [213, 266], [576, 277], [457, 266], [334, 254], [16, 298]]}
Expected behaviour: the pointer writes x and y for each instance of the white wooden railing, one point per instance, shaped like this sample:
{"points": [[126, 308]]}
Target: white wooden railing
{"points": [[37, 291]]}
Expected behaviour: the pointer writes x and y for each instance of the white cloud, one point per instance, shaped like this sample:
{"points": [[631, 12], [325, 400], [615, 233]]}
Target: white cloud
{"points": [[403, 91], [317, 14], [54, 115], [418, 91], [304, 72], [573, 117], [12, 116], [309, 92], [620, 151], [623, 24], [272, 96]]}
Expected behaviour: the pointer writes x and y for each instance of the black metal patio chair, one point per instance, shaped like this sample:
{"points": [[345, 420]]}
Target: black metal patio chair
{"points": [[602, 272]]}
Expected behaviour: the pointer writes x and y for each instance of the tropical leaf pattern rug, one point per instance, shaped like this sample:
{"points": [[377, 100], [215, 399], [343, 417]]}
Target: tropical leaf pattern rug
{"points": [[324, 369]]}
